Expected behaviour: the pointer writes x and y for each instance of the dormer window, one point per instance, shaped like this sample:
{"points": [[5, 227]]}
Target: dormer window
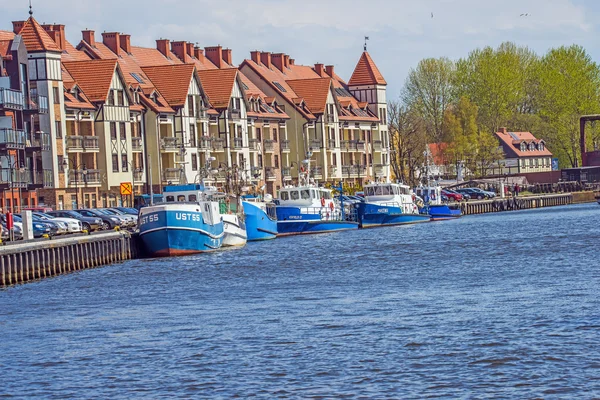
{"points": [[531, 146], [541, 146], [523, 147]]}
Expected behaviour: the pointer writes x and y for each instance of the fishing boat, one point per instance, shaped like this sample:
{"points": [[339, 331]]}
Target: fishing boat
{"points": [[261, 218], [389, 204], [310, 209], [232, 214], [434, 206], [186, 223]]}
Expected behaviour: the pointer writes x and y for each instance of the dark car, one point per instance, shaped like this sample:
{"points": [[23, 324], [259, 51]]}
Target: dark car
{"points": [[476, 193], [127, 210], [39, 228], [108, 221], [87, 223], [55, 228]]}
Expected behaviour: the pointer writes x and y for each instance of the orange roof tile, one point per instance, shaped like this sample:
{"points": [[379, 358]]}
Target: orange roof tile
{"points": [[148, 57], [366, 72], [314, 91], [438, 152], [172, 81], [5, 48], [218, 85], [36, 38], [6, 35], [72, 54], [94, 77], [511, 143]]}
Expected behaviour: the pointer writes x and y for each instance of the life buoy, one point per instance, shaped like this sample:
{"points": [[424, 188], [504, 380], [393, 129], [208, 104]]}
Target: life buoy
{"points": [[331, 206], [322, 201]]}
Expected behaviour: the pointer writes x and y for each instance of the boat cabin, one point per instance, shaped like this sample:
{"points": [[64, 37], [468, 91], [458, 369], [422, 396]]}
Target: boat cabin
{"points": [[431, 195], [386, 190], [304, 196]]}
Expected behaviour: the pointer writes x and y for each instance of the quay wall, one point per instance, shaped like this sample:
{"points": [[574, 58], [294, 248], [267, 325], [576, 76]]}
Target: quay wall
{"points": [[25, 262], [515, 203], [584, 197]]}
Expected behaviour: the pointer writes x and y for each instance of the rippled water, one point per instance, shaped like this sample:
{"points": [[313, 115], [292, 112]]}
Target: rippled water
{"points": [[503, 305]]}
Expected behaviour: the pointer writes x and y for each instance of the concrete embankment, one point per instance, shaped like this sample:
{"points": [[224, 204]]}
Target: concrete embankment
{"points": [[516, 203], [26, 261]]}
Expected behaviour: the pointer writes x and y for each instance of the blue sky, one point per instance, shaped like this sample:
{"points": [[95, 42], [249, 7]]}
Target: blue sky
{"points": [[401, 32]]}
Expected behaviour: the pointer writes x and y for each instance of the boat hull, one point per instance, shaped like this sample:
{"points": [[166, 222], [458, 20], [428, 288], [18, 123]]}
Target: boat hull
{"points": [[443, 212], [234, 231], [373, 215], [177, 231], [259, 226], [292, 221]]}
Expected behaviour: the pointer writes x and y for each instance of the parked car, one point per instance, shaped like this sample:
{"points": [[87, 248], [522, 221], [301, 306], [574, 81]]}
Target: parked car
{"points": [[130, 220], [73, 225], [37, 209], [108, 221], [4, 234], [57, 227], [39, 228], [476, 193], [452, 195], [87, 223], [127, 210]]}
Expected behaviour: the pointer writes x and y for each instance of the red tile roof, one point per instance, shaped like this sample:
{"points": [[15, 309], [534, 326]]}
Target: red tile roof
{"points": [[5, 48], [172, 81], [218, 85], [6, 35], [511, 143], [314, 92], [72, 54], [366, 72], [94, 77], [438, 151], [36, 38]]}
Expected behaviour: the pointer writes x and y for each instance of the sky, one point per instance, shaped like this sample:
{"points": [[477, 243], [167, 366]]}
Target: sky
{"points": [[401, 32]]}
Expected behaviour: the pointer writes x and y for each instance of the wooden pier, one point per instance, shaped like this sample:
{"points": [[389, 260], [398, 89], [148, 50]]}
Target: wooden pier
{"points": [[514, 203], [24, 262]]}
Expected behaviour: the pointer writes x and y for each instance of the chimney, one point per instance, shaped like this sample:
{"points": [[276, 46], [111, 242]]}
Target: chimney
{"points": [[227, 56], [255, 56], [286, 61], [88, 37], [292, 61], [190, 49], [17, 26], [199, 54], [503, 130], [329, 70], [265, 59], [112, 40], [162, 45], [126, 43], [215, 55], [180, 50], [319, 69], [277, 60], [57, 33]]}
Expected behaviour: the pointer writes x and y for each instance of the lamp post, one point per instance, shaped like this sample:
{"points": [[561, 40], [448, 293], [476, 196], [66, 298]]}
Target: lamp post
{"points": [[69, 163]]}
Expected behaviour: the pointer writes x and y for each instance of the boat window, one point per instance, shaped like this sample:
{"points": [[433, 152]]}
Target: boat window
{"points": [[294, 194], [170, 199], [305, 193], [370, 191], [192, 197], [387, 190], [285, 195], [378, 191], [326, 195], [181, 197]]}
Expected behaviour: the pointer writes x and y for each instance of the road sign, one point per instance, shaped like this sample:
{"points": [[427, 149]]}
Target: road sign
{"points": [[126, 189]]}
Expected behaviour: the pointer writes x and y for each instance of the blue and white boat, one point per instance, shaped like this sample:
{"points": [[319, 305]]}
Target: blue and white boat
{"points": [[184, 224], [234, 224], [388, 204], [434, 206], [310, 209], [261, 218]]}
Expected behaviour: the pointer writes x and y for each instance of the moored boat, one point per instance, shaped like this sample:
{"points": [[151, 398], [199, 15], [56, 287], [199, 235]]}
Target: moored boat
{"points": [[434, 206], [261, 218], [185, 224], [388, 204], [232, 214]]}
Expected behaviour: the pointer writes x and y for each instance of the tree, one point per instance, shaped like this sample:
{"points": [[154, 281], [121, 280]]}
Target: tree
{"points": [[568, 88], [428, 91], [408, 141]]}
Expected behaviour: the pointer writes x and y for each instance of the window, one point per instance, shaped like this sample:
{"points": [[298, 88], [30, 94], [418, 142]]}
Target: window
{"points": [[113, 131], [285, 196], [194, 162], [137, 77], [274, 134], [276, 161], [181, 198], [258, 134], [94, 201], [56, 95], [122, 131], [115, 163], [170, 199], [120, 98], [124, 163], [278, 86], [58, 127], [305, 193], [73, 202], [334, 160], [192, 135], [294, 195], [244, 86], [192, 198], [111, 98], [191, 106]]}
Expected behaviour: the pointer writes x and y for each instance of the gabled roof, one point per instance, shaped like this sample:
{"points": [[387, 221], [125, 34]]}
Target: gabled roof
{"points": [[172, 81], [5, 48], [366, 72], [94, 77], [6, 35], [36, 38], [511, 143], [218, 85], [313, 91]]}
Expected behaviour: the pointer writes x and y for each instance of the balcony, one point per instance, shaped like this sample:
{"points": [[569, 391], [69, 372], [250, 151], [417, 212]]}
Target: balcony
{"points": [[349, 171], [329, 119], [333, 170], [344, 146], [331, 144], [237, 143], [91, 144], [138, 175], [270, 174], [253, 144], [236, 115], [269, 146], [84, 177], [285, 146], [317, 172], [377, 145], [12, 138], [172, 175], [315, 145], [286, 172], [41, 179], [137, 144], [11, 99], [361, 146], [37, 104], [170, 144], [204, 143], [201, 113], [379, 170], [74, 144], [256, 171], [218, 145], [39, 142], [14, 178]]}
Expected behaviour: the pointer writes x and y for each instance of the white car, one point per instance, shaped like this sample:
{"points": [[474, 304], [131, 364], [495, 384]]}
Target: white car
{"points": [[73, 225]]}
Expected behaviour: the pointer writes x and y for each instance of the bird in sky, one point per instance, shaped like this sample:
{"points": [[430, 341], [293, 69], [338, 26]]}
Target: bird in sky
{"points": [[524, 15], [431, 15]]}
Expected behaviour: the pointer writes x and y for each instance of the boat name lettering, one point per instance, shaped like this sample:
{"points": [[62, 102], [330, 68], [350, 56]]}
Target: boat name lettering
{"points": [[295, 217], [148, 218], [187, 217], [383, 211]]}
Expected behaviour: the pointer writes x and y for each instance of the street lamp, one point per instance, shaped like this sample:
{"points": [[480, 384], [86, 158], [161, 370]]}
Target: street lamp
{"points": [[69, 163]]}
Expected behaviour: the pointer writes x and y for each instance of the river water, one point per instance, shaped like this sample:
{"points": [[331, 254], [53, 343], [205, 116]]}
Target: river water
{"points": [[498, 305]]}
